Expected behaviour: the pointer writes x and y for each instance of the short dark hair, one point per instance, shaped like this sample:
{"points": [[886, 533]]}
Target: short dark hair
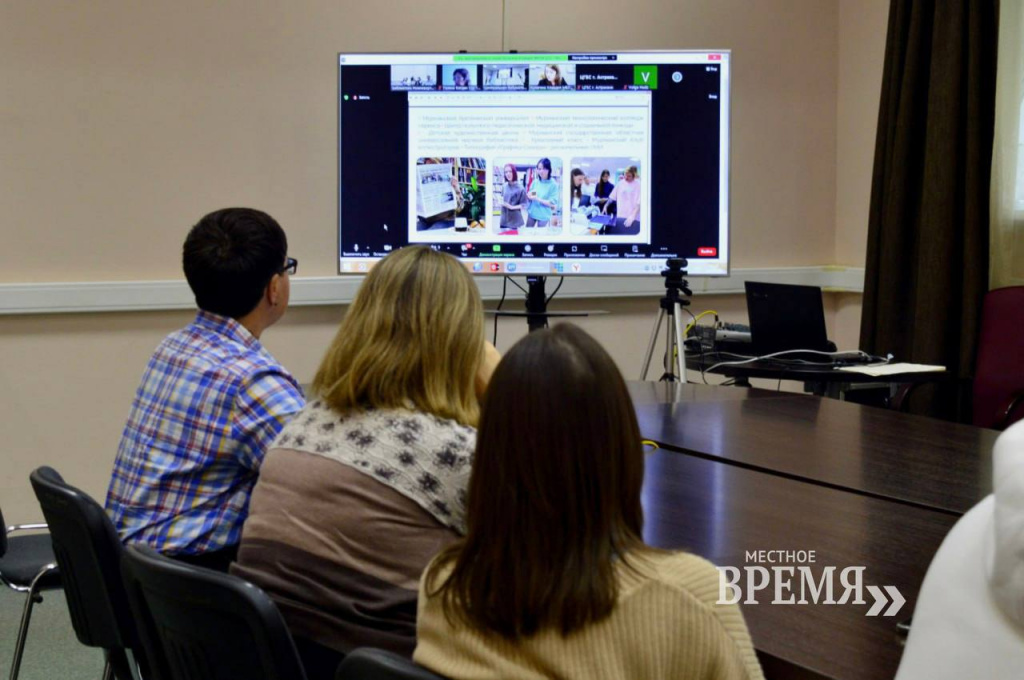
{"points": [[546, 164], [230, 256], [554, 494]]}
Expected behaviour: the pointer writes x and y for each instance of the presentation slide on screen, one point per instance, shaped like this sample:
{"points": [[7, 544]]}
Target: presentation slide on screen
{"points": [[560, 167]]}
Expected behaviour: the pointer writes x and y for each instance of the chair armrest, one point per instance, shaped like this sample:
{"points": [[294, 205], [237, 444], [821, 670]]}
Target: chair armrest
{"points": [[1011, 405], [25, 527], [43, 573]]}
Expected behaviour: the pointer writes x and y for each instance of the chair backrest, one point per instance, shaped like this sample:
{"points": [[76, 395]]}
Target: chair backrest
{"points": [[88, 554], [3, 535], [999, 373], [367, 663], [196, 623]]}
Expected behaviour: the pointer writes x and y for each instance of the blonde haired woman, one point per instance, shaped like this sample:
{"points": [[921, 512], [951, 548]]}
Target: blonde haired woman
{"points": [[626, 197], [368, 481]]}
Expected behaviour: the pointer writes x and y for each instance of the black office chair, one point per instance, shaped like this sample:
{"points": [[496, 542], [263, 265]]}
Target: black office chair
{"points": [[88, 553], [27, 565], [199, 623], [367, 663]]}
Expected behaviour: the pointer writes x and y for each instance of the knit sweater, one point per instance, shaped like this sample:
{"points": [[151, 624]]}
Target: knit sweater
{"points": [[666, 624], [347, 511]]}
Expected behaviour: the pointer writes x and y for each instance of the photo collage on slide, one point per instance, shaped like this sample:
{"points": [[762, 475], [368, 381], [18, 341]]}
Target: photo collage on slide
{"points": [[491, 166]]}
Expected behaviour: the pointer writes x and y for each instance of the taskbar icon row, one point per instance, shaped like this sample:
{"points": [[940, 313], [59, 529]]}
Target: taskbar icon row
{"points": [[534, 267], [525, 269], [363, 265]]}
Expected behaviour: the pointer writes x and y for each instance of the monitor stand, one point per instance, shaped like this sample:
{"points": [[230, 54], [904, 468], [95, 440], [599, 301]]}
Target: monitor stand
{"points": [[537, 313]]}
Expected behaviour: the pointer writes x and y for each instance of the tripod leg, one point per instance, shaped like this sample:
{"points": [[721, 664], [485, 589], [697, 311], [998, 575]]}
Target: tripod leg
{"points": [[666, 362], [680, 359], [650, 345]]}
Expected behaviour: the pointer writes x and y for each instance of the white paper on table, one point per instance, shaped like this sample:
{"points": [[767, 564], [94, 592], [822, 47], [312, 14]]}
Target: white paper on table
{"points": [[893, 369]]}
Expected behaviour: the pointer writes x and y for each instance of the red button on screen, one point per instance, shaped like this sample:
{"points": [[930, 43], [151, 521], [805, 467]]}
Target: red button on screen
{"points": [[707, 252]]}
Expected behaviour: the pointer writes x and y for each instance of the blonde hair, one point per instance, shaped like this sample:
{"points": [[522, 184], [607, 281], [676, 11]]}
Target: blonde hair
{"points": [[413, 338]]}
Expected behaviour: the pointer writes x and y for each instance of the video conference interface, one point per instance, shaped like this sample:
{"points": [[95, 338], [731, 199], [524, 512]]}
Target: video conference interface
{"points": [[545, 164]]}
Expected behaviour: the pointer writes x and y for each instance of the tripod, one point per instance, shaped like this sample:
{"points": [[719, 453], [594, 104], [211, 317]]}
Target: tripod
{"points": [[672, 306]]}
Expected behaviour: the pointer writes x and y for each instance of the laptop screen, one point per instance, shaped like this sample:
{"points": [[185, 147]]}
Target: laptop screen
{"points": [[785, 317]]}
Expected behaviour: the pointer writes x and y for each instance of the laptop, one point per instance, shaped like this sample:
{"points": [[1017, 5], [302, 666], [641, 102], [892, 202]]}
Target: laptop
{"points": [[785, 317]]}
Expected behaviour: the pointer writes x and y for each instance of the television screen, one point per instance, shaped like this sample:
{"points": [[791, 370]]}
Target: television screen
{"points": [[536, 164]]}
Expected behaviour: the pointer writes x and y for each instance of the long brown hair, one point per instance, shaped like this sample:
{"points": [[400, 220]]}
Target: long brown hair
{"points": [[558, 75], [413, 338], [554, 495], [576, 191]]}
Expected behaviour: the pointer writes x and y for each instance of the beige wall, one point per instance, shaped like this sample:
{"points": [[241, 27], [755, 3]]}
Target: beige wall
{"points": [[862, 32], [125, 121], [862, 29], [122, 122]]}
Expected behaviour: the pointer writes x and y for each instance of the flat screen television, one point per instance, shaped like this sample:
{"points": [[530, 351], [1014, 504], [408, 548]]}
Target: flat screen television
{"points": [[599, 163]]}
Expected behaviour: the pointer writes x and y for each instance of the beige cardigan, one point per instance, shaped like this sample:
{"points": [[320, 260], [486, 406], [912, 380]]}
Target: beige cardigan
{"points": [[666, 624]]}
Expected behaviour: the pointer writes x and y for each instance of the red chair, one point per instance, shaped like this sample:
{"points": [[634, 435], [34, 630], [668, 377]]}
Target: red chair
{"points": [[999, 376]]}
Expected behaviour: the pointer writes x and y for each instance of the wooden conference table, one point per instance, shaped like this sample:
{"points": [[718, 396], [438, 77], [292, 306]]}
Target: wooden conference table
{"points": [[741, 470]]}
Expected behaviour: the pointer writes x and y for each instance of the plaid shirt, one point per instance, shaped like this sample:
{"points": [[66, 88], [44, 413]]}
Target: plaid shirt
{"points": [[211, 401]]}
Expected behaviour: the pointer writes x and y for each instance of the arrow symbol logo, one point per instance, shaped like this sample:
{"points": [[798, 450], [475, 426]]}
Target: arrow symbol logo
{"points": [[881, 600]]}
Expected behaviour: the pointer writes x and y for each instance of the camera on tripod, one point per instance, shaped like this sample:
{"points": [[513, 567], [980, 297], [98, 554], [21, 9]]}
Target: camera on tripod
{"points": [[677, 292], [675, 283]]}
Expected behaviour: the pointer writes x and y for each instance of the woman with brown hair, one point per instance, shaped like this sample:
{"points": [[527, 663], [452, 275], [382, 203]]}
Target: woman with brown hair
{"points": [[368, 481], [577, 182], [603, 190], [552, 77], [553, 578], [513, 200]]}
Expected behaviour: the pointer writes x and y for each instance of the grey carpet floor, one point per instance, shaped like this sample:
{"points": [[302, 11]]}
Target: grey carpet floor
{"points": [[52, 651]]}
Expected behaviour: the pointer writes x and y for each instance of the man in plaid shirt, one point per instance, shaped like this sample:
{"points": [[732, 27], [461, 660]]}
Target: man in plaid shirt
{"points": [[211, 400]]}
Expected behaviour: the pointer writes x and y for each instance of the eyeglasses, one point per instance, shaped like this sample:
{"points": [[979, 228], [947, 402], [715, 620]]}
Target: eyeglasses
{"points": [[291, 265]]}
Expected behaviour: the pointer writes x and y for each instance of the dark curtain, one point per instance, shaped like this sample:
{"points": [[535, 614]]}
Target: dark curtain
{"points": [[928, 231]]}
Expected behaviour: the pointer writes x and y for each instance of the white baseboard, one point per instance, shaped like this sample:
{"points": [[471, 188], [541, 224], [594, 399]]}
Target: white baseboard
{"points": [[130, 296]]}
